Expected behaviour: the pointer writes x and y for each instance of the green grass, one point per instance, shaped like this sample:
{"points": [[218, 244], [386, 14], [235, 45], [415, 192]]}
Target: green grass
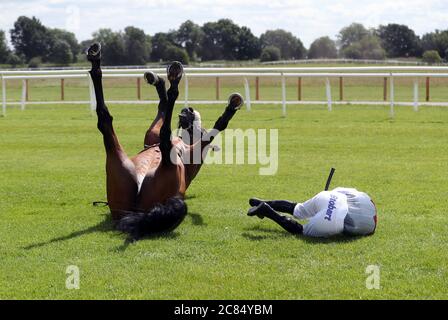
{"points": [[52, 168]]}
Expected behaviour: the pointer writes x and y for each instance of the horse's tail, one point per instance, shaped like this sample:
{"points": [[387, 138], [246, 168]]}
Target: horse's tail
{"points": [[161, 218]]}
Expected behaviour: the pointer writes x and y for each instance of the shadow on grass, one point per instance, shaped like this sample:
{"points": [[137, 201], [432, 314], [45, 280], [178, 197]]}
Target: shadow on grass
{"points": [[162, 235], [104, 226], [267, 233], [280, 233], [196, 219], [107, 225]]}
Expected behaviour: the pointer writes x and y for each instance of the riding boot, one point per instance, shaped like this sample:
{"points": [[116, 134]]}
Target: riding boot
{"points": [[279, 205], [287, 223]]}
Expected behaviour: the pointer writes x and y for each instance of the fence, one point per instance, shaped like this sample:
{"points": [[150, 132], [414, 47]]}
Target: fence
{"points": [[387, 73]]}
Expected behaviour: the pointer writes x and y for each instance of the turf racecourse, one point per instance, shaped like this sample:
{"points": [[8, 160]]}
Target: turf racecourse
{"points": [[52, 168]]}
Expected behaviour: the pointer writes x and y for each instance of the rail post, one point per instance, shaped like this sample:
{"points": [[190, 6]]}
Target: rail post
{"points": [[328, 91], [3, 97], [62, 90], [283, 95], [416, 94], [257, 88], [247, 93], [299, 88], [139, 89], [341, 88], [23, 99], [217, 88], [27, 90], [392, 94], [427, 89]]}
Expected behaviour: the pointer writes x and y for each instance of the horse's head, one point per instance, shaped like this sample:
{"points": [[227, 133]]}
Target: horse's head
{"points": [[190, 119], [190, 122]]}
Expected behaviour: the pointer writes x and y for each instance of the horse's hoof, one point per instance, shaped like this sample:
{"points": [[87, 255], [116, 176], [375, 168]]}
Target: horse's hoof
{"points": [[175, 71], [151, 78], [236, 101], [94, 52]]}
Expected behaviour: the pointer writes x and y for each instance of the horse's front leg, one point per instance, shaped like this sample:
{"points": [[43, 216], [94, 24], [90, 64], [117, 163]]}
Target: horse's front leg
{"points": [[121, 178], [197, 152]]}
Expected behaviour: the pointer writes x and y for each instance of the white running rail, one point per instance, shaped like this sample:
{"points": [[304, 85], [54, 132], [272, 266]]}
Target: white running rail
{"points": [[388, 73]]}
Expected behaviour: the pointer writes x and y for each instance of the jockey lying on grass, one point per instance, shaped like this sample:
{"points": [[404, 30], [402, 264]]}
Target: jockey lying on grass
{"points": [[339, 211]]}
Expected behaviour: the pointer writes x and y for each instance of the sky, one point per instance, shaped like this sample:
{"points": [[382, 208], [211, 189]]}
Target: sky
{"points": [[306, 19]]}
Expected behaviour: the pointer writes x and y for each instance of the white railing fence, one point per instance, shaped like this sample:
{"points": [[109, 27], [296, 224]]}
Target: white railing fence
{"points": [[387, 73]]}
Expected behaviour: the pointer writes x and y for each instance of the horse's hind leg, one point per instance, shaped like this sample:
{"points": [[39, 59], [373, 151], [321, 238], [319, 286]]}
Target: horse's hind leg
{"points": [[121, 177], [167, 101], [153, 134], [175, 71]]}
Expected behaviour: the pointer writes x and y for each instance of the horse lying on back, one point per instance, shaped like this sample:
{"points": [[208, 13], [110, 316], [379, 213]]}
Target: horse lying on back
{"points": [[146, 193]]}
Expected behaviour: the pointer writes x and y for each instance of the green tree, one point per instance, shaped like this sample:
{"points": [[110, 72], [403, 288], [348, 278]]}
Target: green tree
{"points": [[351, 34], [270, 53], [356, 42], [437, 40], [30, 38], [211, 46], [249, 45], [221, 40], [35, 62], [290, 46], [431, 57], [189, 36], [14, 60], [368, 47], [137, 46], [226, 40], [60, 53], [399, 41], [323, 47], [173, 53], [4, 50], [114, 52], [160, 43], [69, 38]]}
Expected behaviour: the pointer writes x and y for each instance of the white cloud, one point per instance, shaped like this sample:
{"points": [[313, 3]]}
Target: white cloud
{"points": [[307, 19]]}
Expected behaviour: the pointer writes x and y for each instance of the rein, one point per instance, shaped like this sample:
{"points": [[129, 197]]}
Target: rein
{"points": [[146, 147]]}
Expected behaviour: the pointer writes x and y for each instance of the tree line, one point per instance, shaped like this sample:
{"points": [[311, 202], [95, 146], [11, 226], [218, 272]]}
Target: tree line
{"points": [[33, 44]]}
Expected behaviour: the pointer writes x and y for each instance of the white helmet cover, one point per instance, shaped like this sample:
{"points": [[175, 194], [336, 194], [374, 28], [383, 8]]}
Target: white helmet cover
{"points": [[361, 218]]}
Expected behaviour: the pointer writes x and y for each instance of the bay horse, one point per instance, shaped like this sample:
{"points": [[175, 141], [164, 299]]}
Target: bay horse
{"points": [[145, 193]]}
